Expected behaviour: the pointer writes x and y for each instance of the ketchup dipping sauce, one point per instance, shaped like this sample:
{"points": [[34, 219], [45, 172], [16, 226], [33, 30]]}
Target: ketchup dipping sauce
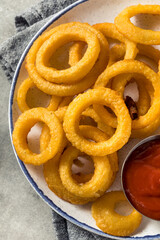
{"points": [[141, 178]]}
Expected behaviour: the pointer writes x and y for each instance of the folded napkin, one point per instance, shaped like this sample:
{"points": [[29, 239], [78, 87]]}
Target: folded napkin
{"points": [[27, 25]]}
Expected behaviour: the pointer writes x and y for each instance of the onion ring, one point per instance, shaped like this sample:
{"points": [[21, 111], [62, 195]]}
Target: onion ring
{"points": [[22, 92], [99, 182], [134, 66], [81, 102], [71, 153], [76, 72], [133, 33], [117, 52], [143, 103], [51, 172], [61, 89], [110, 221], [21, 129]]}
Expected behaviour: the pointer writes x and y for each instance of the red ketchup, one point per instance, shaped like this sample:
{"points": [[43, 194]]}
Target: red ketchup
{"points": [[141, 179]]}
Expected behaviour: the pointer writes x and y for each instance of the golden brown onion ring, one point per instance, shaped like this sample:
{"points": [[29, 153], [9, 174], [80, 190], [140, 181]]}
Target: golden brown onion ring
{"points": [[79, 104], [79, 70], [134, 66], [61, 89], [133, 33], [111, 222], [116, 53], [22, 93], [22, 127], [51, 172], [99, 182]]}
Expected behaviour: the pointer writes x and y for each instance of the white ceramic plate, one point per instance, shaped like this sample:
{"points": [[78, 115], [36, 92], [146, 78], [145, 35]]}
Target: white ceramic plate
{"points": [[91, 11]]}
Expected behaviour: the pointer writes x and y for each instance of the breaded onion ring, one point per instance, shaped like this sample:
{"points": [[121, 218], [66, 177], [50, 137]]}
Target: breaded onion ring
{"points": [[62, 89], [96, 135], [22, 127], [22, 92], [109, 221], [99, 182], [133, 33], [145, 98], [79, 104], [59, 38], [51, 172], [133, 66], [117, 52]]}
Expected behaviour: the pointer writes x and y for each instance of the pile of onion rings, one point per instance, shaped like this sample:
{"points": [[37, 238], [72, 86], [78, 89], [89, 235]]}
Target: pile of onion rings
{"points": [[87, 118]]}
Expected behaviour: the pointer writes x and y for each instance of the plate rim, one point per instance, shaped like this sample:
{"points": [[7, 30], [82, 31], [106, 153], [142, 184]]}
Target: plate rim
{"points": [[46, 199]]}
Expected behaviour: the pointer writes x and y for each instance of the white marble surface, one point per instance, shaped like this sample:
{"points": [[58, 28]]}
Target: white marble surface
{"points": [[23, 215]]}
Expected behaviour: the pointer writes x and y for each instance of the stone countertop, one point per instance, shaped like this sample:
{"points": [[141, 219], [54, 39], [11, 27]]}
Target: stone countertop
{"points": [[23, 215]]}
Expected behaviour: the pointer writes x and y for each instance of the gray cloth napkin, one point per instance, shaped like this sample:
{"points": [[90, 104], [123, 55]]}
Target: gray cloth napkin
{"points": [[27, 25]]}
